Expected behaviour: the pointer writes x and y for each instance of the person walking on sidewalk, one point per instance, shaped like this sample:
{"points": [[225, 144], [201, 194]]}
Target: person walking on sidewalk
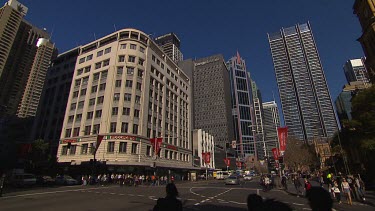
{"points": [[345, 187], [307, 186], [336, 192], [297, 185]]}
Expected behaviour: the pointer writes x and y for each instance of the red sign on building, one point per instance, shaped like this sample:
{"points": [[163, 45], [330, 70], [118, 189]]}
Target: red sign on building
{"points": [[282, 133]]}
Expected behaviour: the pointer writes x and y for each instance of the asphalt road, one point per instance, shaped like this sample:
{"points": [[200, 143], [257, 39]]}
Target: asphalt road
{"points": [[201, 195]]}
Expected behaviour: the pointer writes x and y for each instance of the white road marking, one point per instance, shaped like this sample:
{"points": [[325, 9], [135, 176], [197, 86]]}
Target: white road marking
{"points": [[141, 195], [234, 202], [298, 204], [112, 193], [311, 209], [131, 194], [50, 192]]}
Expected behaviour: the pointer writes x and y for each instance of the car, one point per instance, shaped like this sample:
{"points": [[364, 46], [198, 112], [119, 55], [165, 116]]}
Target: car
{"points": [[45, 180], [248, 177], [65, 180], [22, 180], [232, 180]]}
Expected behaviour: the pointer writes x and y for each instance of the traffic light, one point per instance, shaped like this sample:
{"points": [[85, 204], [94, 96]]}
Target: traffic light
{"points": [[69, 145]]}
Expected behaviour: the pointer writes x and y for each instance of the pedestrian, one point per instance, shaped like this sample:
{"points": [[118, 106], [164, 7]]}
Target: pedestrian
{"points": [[284, 182], [336, 192], [297, 185], [307, 186], [266, 183], [170, 202], [345, 187], [2, 181], [359, 186]]}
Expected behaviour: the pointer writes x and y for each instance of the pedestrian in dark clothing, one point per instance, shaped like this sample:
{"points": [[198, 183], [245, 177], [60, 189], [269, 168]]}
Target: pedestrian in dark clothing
{"points": [[170, 202]]}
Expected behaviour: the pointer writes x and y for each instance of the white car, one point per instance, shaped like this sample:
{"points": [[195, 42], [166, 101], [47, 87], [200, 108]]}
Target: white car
{"points": [[248, 177]]}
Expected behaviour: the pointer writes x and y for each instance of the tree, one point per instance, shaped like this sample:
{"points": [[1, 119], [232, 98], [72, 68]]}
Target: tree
{"points": [[299, 156]]}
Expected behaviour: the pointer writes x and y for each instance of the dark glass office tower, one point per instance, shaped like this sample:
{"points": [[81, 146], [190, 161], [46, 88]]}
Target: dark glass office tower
{"points": [[305, 99], [242, 110]]}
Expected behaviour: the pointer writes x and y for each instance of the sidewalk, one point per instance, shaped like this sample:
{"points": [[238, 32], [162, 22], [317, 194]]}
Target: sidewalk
{"points": [[369, 195]]}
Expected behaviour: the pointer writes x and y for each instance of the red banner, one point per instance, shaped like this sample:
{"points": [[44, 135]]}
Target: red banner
{"points": [[275, 152], [206, 156], [99, 140], [227, 161], [239, 164], [156, 144], [282, 133]]}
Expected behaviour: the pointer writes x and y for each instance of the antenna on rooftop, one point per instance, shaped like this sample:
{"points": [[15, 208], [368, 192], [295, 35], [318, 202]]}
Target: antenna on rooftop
{"points": [[94, 36], [114, 26], [53, 28]]}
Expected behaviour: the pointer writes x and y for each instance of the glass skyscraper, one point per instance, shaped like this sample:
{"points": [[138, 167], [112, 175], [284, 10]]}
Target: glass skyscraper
{"points": [[242, 110], [305, 99]]}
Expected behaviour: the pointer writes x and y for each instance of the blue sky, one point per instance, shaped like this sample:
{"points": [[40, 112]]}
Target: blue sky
{"points": [[207, 27]]}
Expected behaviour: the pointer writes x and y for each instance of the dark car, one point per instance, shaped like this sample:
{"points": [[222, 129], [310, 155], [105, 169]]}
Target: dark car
{"points": [[45, 180]]}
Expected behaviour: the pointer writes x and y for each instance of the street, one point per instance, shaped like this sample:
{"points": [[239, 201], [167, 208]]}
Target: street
{"points": [[201, 195]]}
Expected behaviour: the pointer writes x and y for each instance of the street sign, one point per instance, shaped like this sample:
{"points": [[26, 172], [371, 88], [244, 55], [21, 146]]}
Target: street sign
{"points": [[234, 145]]}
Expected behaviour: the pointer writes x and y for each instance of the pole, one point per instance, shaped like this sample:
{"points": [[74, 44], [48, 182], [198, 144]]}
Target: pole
{"points": [[343, 156], [206, 172]]}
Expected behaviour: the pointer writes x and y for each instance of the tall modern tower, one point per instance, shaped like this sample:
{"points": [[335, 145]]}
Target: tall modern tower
{"points": [[241, 106], [365, 11], [305, 99], [355, 70], [271, 123], [171, 46]]}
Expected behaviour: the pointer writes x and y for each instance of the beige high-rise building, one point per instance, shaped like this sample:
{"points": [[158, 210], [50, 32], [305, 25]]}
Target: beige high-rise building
{"points": [[34, 85], [11, 15], [126, 89]]}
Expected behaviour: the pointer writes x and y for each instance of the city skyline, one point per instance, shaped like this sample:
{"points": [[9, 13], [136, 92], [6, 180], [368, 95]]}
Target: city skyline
{"points": [[205, 25]]}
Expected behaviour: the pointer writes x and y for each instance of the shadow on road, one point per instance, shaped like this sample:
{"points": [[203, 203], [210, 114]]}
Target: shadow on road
{"points": [[214, 208]]}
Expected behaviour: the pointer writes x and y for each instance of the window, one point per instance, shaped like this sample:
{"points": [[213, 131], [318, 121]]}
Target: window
{"points": [[148, 151], [129, 83], [140, 73], [100, 100], [124, 127], [131, 59], [113, 127], [123, 46], [122, 147], [135, 129], [96, 128], [133, 46], [127, 97], [85, 80], [130, 70], [81, 60], [126, 111], [136, 113], [96, 76], [153, 58], [120, 70], [77, 82], [76, 131], [98, 113], [89, 57], [91, 148], [70, 118], [104, 74], [73, 106], [141, 61], [98, 65], [87, 130], [111, 147], [142, 49], [73, 149], [90, 115], [105, 62], [80, 104], [139, 86], [78, 117], [137, 99], [75, 94], [79, 71], [114, 110], [92, 102], [116, 97], [64, 150], [118, 83], [121, 58], [83, 92], [107, 50], [101, 87], [100, 53], [84, 149], [68, 132], [134, 148]]}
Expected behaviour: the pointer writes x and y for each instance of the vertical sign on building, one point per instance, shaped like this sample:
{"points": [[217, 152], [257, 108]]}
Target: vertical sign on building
{"points": [[282, 133]]}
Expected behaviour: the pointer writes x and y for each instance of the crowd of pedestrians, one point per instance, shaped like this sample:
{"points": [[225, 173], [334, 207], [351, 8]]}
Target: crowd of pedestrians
{"points": [[126, 179]]}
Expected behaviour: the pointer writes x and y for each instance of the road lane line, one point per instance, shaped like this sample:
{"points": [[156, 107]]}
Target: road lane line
{"points": [[234, 202], [141, 195], [50, 192], [298, 204], [131, 194]]}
